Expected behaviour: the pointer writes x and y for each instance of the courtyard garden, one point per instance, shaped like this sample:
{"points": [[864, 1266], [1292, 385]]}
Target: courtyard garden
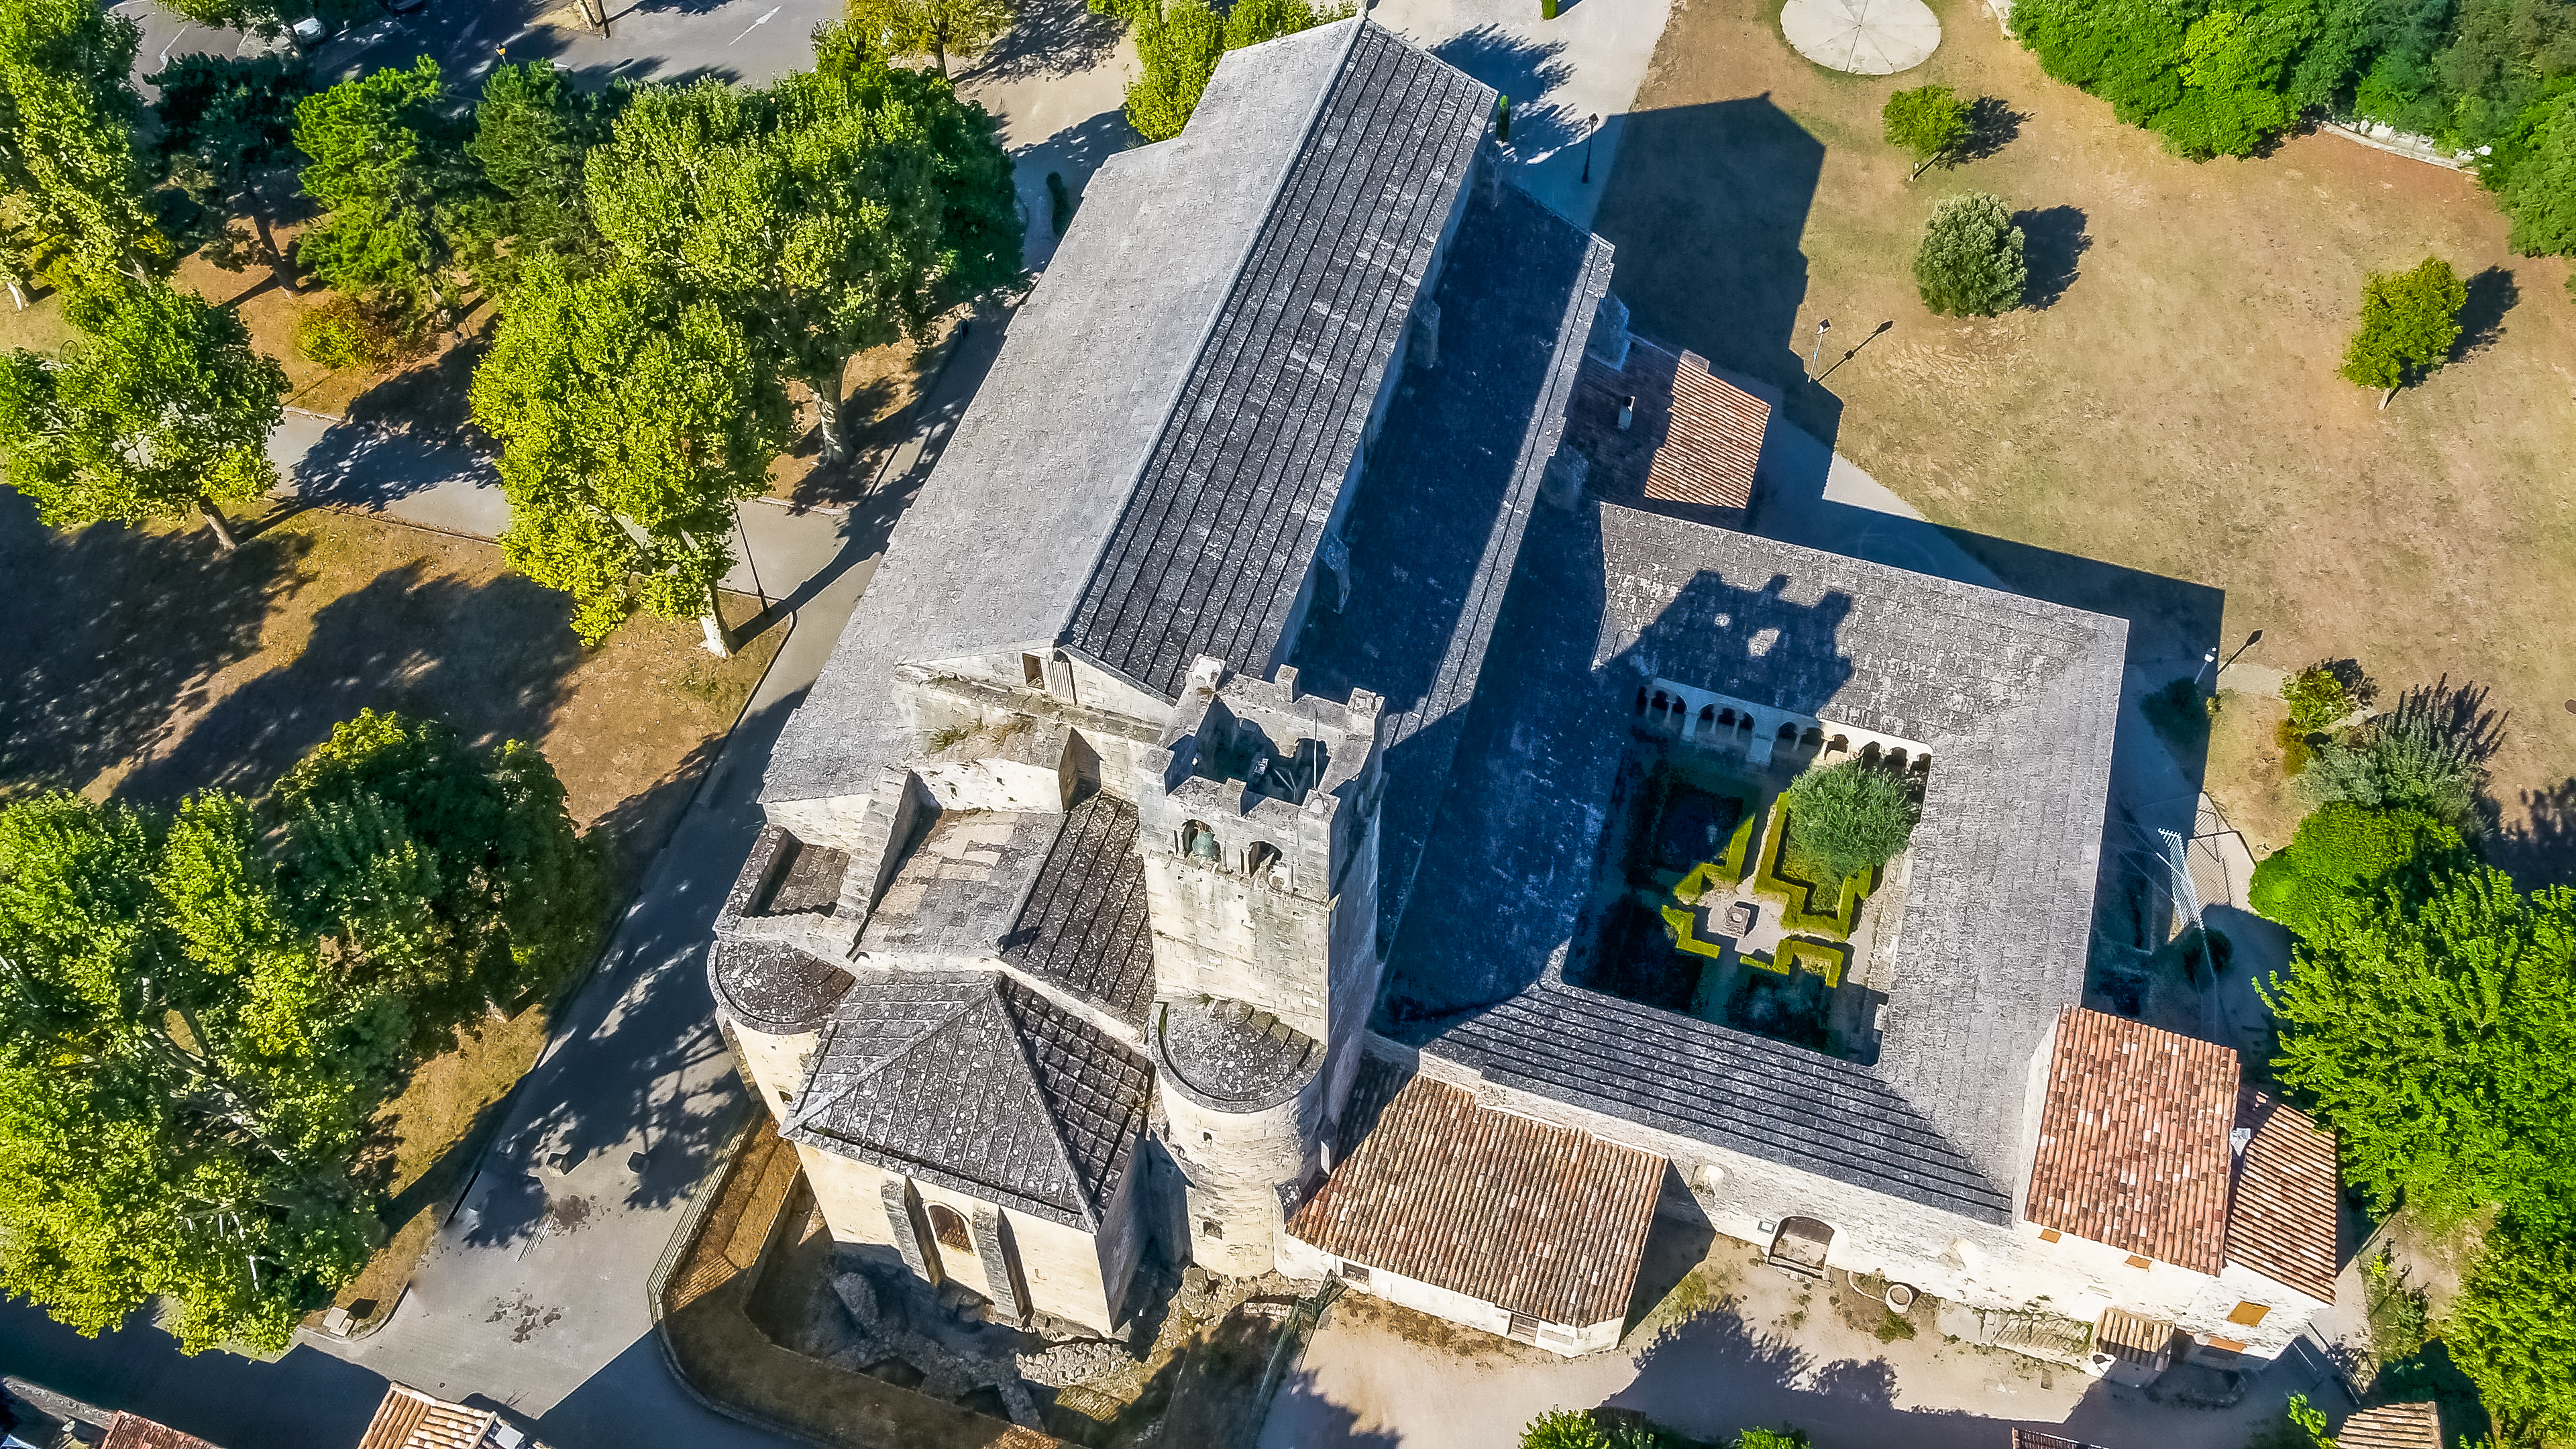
{"points": [[2166, 400]]}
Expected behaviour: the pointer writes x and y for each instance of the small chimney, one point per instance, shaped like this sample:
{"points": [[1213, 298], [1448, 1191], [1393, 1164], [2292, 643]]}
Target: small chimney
{"points": [[1627, 411]]}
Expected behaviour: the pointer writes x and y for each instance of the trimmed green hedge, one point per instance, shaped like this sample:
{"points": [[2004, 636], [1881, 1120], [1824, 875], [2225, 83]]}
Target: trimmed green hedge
{"points": [[2344, 851]]}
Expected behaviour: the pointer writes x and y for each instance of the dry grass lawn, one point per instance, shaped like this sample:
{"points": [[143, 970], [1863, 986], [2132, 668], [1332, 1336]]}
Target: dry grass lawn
{"points": [[2168, 402]]}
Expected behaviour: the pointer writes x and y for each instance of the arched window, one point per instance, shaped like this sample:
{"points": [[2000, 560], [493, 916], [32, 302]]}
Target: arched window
{"points": [[1869, 753], [1813, 739], [1659, 701], [1726, 717], [1896, 759], [1641, 699], [1262, 861], [1801, 1246], [1199, 843], [1788, 733], [1923, 764], [1708, 714], [1840, 742], [950, 1228]]}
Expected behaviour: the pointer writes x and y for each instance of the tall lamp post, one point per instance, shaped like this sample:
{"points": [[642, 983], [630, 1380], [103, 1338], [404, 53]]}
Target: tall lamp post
{"points": [[747, 562], [2212, 658], [1591, 128], [1822, 325]]}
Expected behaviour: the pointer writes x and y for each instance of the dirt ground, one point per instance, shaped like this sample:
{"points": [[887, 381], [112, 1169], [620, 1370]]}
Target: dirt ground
{"points": [[2167, 401]]}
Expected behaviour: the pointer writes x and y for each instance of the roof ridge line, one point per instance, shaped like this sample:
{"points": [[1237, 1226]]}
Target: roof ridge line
{"points": [[1216, 318], [1054, 1123], [807, 1106]]}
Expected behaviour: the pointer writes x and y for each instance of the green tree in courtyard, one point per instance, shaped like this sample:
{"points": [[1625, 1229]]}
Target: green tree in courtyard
{"points": [[1930, 122], [631, 422], [224, 121], [532, 128], [1970, 261], [1563, 1429], [451, 876], [1250, 22], [2409, 320], [2436, 1033], [390, 169], [158, 407], [981, 235], [1850, 817], [935, 28], [182, 1081], [2513, 1329], [68, 111]]}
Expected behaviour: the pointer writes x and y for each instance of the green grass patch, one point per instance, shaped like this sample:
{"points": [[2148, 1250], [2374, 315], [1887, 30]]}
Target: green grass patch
{"points": [[1801, 908]]}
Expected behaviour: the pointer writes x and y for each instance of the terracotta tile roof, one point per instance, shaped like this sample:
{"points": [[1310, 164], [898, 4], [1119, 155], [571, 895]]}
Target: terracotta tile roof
{"points": [[2281, 1221], [2133, 1139], [1545, 1221], [410, 1419], [129, 1431], [2392, 1426], [2033, 1439], [1692, 446]]}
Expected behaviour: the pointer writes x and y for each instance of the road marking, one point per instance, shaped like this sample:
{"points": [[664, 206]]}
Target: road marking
{"points": [[183, 31], [755, 25]]}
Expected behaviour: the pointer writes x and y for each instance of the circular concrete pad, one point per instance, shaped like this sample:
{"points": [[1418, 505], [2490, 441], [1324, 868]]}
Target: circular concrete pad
{"points": [[1865, 37]]}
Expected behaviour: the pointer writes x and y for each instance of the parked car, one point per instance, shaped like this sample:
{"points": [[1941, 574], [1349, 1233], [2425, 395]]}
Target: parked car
{"points": [[308, 33]]}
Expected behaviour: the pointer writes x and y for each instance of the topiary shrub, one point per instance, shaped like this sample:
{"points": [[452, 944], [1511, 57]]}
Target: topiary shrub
{"points": [[1970, 262], [1852, 819], [2343, 851]]}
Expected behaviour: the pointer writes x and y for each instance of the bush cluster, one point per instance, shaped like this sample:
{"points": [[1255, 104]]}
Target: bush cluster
{"points": [[2227, 77], [1970, 261]]}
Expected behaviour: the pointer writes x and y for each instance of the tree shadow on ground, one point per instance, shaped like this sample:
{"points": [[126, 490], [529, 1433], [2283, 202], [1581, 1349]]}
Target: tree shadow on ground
{"points": [[1073, 153], [1311, 1421], [1051, 40], [2054, 244], [2491, 295], [490, 658], [432, 399], [1992, 125], [1524, 71], [113, 635], [2540, 848]]}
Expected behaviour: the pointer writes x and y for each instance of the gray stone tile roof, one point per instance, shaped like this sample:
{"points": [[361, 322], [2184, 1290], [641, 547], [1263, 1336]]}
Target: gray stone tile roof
{"points": [[1435, 529], [1182, 262], [1084, 926], [2015, 700], [1217, 538], [957, 888], [970, 1080], [773, 985], [1233, 1055]]}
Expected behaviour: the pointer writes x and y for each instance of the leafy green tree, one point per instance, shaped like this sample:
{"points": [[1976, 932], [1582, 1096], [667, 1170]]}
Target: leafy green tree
{"points": [[2437, 1036], [2322, 694], [532, 128], [2409, 320], [1178, 43], [1931, 122], [159, 406], [2234, 63], [181, 1080], [1970, 261], [936, 28], [390, 170], [1563, 1429], [454, 877], [68, 112], [1251, 22], [2513, 1331], [2418, 756], [1772, 1439], [2343, 859], [1850, 817], [833, 212], [2539, 191], [224, 120], [631, 423]]}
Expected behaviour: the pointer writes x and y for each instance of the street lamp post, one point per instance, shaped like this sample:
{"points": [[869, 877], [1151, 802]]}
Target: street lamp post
{"points": [[2212, 658], [1822, 325], [747, 562], [1591, 128]]}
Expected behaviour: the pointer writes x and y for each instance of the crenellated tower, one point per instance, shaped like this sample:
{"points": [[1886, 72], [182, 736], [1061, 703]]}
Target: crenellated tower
{"points": [[1257, 819]]}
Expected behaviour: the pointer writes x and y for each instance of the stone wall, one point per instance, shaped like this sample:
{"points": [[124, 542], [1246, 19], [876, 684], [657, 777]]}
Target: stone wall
{"points": [[1303, 1260], [776, 1063], [1233, 1165], [1063, 1266]]}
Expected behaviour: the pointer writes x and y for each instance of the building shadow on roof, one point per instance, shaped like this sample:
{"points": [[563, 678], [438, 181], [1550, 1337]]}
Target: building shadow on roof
{"points": [[1707, 206]]}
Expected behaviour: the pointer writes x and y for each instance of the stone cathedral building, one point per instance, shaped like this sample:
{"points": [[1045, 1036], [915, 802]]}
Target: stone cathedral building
{"points": [[1300, 792]]}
